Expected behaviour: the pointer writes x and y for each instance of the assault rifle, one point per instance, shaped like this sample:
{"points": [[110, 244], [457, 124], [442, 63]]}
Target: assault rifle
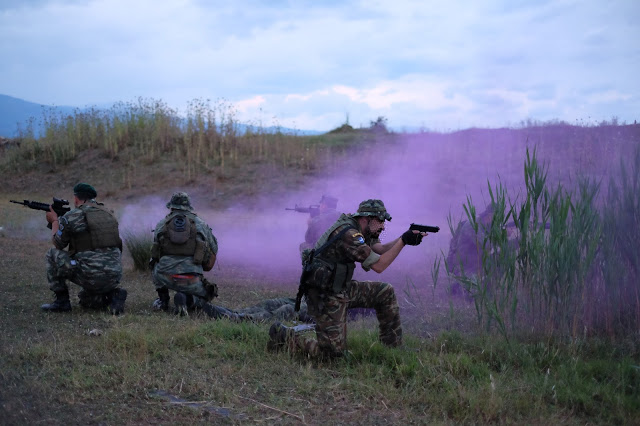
{"points": [[59, 206], [313, 210], [424, 228]]}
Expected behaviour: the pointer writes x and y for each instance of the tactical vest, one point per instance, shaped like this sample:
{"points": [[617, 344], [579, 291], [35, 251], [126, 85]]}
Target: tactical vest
{"points": [[335, 273], [102, 230], [180, 237]]}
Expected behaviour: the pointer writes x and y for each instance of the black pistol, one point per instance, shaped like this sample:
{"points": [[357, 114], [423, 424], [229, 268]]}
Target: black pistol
{"points": [[424, 228]]}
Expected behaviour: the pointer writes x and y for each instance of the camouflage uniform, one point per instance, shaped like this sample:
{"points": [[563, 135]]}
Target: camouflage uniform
{"points": [[329, 306], [279, 308], [465, 250], [320, 223], [180, 273], [97, 271], [317, 226]]}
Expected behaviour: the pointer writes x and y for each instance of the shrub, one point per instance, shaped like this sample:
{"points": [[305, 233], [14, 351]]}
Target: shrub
{"points": [[572, 268], [139, 245]]}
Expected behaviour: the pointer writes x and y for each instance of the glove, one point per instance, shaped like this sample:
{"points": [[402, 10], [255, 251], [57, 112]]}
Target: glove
{"points": [[411, 239]]}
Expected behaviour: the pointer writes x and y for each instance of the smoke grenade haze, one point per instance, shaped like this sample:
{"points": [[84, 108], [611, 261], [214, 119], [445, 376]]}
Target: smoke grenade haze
{"points": [[421, 178]]}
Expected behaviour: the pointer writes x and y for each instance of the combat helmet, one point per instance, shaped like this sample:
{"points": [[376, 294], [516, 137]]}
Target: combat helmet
{"points": [[373, 208], [329, 201], [487, 214], [180, 201]]}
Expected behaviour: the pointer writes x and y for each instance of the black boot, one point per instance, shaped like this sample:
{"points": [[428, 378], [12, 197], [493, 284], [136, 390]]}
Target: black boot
{"points": [[93, 300], [279, 334], [180, 302], [61, 304], [162, 302], [118, 297]]}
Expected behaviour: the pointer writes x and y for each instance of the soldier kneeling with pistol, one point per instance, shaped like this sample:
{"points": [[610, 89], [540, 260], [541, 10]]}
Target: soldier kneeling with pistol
{"points": [[330, 291]]}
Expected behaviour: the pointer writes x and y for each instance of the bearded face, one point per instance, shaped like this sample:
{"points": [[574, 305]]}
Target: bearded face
{"points": [[375, 227]]}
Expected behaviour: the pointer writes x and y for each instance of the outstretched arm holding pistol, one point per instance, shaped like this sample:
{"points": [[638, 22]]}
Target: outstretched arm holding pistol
{"points": [[389, 251]]}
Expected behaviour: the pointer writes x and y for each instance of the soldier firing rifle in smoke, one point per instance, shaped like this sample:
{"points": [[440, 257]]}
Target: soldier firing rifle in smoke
{"points": [[59, 206], [313, 210]]}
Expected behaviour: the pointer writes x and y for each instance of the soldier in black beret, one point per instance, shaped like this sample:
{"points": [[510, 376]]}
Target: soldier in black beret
{"points": [[94, 256]]}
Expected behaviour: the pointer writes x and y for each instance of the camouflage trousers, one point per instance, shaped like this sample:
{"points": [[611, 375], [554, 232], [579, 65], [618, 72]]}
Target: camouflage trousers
{"points": [[331, 320], [189, 284], [92, 274]]}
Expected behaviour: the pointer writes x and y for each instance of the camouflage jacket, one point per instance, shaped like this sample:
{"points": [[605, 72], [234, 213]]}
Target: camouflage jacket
{"points": [[173, 264], [352, 247], [74, 222], [318, 225], [464, 248]]}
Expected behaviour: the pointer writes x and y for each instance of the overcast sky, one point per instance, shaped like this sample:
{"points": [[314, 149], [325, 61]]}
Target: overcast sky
{"points": [[312, 64]]}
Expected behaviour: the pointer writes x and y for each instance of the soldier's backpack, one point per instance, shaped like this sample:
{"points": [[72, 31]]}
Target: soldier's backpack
{"points": [[180, 238]]}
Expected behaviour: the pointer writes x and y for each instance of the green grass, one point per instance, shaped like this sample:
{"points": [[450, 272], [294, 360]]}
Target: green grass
{"points": [[147, 367], [152, 368]]}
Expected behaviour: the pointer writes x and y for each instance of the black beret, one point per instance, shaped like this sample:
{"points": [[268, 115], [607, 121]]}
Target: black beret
{"points": [[85, 191]]}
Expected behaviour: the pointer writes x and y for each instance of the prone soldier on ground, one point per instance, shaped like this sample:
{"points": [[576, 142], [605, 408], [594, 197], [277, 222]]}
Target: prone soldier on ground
{"points": [[327, 284], [281, 308], [94, 258]]}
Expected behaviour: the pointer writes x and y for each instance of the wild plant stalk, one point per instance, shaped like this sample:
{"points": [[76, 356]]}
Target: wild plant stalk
{"points": [[543, 277], [139, 246]]}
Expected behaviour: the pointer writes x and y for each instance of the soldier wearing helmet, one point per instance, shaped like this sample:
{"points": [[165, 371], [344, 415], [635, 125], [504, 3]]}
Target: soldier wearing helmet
{"points": [[183, 248], [330, 290], [316, 225], [464, 255]]}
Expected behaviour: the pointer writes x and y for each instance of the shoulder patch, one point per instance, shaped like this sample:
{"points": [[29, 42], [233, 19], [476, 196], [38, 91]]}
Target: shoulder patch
{"points": [[358, 237], [62, 221]]}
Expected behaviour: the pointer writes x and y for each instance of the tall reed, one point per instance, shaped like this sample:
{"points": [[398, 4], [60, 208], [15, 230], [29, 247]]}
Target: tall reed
{"points": [[570, 269]]}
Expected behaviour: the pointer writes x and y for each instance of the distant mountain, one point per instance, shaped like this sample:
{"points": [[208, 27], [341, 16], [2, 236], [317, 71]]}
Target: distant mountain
{"points": [[14, 112]]}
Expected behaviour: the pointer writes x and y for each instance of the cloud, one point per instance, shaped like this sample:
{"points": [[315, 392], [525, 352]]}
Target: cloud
{"points": [[441, 65], [250, 104], [608, 97]]}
